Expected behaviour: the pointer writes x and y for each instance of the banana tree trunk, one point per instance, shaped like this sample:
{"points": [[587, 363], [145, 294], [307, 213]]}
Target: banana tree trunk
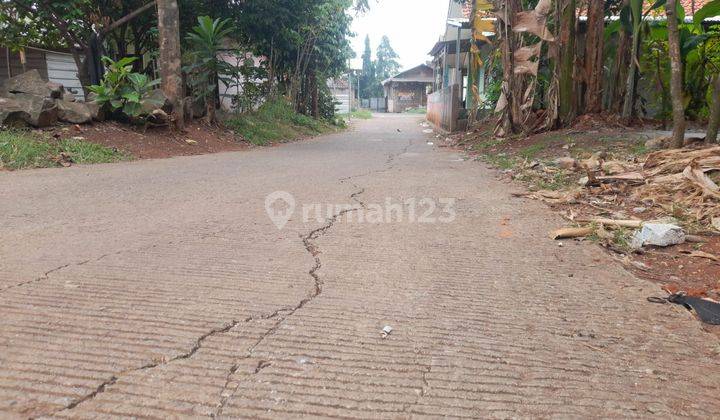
{"points": [[567, 61], [712, 130], [594, 56], [631, 84], [676, 75]]}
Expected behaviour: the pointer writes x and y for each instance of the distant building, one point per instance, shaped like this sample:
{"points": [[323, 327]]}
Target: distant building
{"points": [[342, 91], [408, 89]]}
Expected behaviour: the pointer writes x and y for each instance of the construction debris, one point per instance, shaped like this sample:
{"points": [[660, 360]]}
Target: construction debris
{"points": [[702, 254], [386, 331], [568, 233], [658, 234]]}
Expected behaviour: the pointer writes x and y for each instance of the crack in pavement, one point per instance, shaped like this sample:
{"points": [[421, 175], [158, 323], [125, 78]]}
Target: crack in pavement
{"points": [[281, 314], [46, 275], [308, 242], [113, 379]]}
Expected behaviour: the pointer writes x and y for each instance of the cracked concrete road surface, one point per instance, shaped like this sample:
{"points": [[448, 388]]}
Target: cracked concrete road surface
{"points": [[162, 289]]}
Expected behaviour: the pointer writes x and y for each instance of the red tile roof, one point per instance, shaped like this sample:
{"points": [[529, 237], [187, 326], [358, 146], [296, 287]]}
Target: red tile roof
{"points": [[692, 6]]}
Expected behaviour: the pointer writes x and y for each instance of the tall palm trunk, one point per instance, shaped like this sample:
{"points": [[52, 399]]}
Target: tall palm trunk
{"points": [[169, 63], [676, 75]]}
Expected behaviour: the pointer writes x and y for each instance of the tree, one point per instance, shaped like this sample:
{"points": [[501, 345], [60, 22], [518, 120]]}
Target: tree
{"points": [[368, 70], [676, 75], [206, 67], [594, 46], [169, 61], [566, 100], [386, 65], [80, 26], [307, 40], [714, 122]]}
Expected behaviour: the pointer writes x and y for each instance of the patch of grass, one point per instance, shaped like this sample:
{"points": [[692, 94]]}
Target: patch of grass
{"points": [[557, 181], [361, 114], [487, 144], [639, 149], [531, 151], [422, 111], [622, 238], [276, 121], [500, 161], [85, 152], [20, 150]]}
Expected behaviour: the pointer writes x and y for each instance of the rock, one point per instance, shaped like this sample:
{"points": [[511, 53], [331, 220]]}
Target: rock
{"points": [[593, 163], [613, 167], [41, 110], [159, 117], [194, 108], [32, 83], [658, 234], [73, 112], [12, 114], [156, 100], [656, 143], [57, 90], [583, 181], [566, 163], [97, 112]]}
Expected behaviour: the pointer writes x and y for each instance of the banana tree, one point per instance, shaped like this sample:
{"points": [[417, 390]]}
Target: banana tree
{"points": [[711, 9], [633, 17]]}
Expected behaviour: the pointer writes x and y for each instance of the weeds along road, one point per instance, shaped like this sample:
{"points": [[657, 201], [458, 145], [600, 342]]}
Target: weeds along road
{"points": [[163, 289]]}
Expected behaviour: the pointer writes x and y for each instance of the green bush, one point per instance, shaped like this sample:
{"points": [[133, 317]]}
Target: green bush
{"points": [[275, 121], [122, 90]]}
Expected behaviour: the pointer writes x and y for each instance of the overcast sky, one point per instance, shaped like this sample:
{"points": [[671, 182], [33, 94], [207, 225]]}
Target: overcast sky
{"points": [[413, 27]]}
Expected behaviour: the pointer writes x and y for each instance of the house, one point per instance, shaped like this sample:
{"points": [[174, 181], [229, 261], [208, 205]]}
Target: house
{"points": [[456, 78], [342, 91], [53, 65], [408, 89]]}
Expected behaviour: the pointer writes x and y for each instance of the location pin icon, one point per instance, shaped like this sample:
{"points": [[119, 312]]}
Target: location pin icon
{"points": [[280, 207]]}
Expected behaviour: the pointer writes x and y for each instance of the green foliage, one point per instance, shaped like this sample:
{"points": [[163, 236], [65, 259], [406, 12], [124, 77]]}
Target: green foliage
{"points": [[362, 114], [711, 9], [367, 78], [248, 79], [205, 68], [275, 121], [20, 150], [122, 90], [383, 67]]}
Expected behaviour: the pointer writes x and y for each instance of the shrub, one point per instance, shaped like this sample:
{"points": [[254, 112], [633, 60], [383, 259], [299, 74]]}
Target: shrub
{"points": [[124, 91]]}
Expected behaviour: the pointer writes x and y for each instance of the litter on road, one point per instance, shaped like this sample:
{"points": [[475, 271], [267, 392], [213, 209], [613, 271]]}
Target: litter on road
{"points": [[386, 331], [707, 310], [658, 234]]}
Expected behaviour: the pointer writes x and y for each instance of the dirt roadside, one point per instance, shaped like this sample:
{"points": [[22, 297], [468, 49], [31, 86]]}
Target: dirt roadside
{"points": [[543, 163]]}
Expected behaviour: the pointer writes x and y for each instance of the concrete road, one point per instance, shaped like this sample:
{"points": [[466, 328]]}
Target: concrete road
{"points": [[163, 289]]}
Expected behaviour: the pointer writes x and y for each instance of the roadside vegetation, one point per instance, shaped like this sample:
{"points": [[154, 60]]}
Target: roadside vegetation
{"points": [[277, 121], [361, 114], [419, 111], [22, 150]]}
